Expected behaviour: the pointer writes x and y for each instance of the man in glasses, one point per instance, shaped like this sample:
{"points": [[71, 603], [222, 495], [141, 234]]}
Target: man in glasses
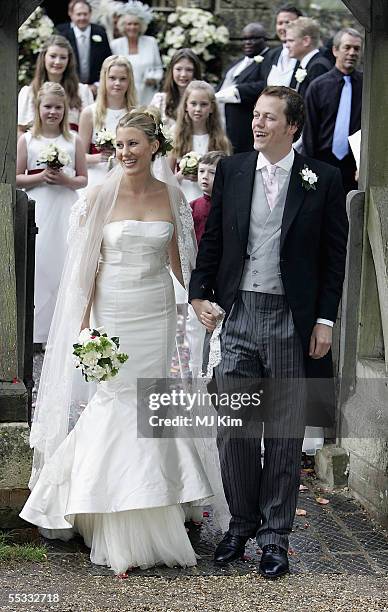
{"points": [[241, 86]]}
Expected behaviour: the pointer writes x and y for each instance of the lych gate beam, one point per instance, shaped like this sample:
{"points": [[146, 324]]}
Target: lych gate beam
{"points": [[26, 7], [361, 9]]}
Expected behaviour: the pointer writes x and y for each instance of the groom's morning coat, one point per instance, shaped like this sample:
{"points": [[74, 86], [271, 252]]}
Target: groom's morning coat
{"points": [[312, 246]]}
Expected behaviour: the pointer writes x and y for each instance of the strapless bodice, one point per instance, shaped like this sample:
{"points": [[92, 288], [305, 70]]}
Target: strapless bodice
{"points": [[139, 245]]}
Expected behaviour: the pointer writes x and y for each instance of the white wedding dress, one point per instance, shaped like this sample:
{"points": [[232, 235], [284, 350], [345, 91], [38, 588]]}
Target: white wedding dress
{"points": [[122, 493]]}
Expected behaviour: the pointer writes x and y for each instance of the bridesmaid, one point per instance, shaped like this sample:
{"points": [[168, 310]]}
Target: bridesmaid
{"points": [[116, 96], [183, 68], [54, 192], [55, 63]]}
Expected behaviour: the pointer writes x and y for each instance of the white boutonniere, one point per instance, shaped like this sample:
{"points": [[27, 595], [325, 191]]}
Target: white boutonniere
{"points": [[309, 178], [258, 59], [300, 75], [97, 38]]}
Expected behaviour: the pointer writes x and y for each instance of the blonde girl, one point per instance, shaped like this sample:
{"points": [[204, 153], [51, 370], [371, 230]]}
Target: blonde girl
{"points": [[54, 192], [116, 96]]}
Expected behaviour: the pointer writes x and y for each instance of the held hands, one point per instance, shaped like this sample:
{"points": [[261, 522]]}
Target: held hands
{"points": [[206, 313], [320, 341]]}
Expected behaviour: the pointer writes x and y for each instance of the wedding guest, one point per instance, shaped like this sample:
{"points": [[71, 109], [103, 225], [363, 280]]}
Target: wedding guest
{"points": [[54, 192], [241, 85], [116, 96], [201, 206], [302, 40], [89, 41], [142, 51], [195, 332], [55, 63], [333, 108], [183, 68], [198, 128], [279, 68]]}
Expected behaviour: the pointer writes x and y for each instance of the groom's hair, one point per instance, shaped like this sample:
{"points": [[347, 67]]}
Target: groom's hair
{"points": [[294, 105]]}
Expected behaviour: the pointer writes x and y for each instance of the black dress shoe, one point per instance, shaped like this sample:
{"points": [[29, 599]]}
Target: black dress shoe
{"points": [[274, 562], [231, 548]]}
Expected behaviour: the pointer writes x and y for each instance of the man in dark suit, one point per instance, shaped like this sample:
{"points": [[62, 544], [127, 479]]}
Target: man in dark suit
{"points": [[273, 257], [89, 41], [333, 108], [241, 85], [302, 42], [279, 68]]}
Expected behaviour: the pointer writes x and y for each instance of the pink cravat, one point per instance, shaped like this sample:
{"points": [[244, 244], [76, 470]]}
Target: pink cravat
{"points": [[271, 185]]}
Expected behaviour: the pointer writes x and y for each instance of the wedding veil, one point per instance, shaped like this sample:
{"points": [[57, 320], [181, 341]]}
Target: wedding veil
{"points": [[62, 393]]}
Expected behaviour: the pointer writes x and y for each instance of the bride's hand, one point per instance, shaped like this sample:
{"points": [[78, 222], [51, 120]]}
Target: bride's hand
{"points": [[206, 313]]}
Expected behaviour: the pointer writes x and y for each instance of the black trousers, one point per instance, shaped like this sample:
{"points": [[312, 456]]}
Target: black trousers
{"points": [[260, 348]]}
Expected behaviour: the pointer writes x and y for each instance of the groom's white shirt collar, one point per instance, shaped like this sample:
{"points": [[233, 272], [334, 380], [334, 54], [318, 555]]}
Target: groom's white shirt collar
{"points": [[285, 163]]}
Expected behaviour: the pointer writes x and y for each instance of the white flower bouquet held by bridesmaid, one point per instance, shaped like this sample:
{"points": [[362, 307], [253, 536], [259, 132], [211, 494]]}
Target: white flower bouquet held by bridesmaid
{"points": [[105, 139], [98, 355], [189, 163], [54, 157]]}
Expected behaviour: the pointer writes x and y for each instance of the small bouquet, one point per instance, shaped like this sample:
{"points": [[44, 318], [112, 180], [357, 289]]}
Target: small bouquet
{"points": [[105, 140], [189, 163], [97, 355], [54, 157]]}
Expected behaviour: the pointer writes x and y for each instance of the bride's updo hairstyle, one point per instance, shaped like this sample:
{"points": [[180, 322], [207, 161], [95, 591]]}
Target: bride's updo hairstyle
{"points": [[147, 119]]}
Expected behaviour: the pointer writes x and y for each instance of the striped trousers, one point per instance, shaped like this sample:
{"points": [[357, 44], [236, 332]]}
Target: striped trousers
{"points": [[260, 347]]}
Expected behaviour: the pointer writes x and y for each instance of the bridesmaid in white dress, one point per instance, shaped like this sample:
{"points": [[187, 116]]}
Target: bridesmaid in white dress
{"points": [[183, 68], [122, 493], [55, 63], [54, 193], [116, 96], [198, 128], [142, 51]]}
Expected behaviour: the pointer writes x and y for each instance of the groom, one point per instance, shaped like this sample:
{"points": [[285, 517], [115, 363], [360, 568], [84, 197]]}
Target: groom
{"points": [[273, 256]]}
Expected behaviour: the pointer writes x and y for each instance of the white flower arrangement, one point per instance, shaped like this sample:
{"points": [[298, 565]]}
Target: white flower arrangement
{"points": [[196, 29], [300, 75], [32, 35], [105, 139], [309, 178], [189, 163], [258, 58], [97, 38], [53, 157], [98, 355]]}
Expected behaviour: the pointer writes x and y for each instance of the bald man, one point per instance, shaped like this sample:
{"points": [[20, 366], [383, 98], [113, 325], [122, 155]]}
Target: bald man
{"points": [[241, 86]]}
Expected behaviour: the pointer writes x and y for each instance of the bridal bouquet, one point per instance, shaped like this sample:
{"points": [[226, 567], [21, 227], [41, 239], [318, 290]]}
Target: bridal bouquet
{"points": [[97, 355], [54, 157], [105, 139], [189, 163]]}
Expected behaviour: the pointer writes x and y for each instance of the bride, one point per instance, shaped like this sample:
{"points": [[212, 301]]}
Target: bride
{"points": [[122, 493]]}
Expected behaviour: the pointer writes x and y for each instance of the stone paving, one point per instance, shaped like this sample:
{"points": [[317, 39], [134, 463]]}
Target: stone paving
{"points": [[336, 538]]}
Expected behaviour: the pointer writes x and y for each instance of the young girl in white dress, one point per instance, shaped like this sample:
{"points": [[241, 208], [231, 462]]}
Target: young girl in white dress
{"points": [[54, 192], [183, 68], [198, 128], [116, 96], [55, 63], [125, 494]]}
